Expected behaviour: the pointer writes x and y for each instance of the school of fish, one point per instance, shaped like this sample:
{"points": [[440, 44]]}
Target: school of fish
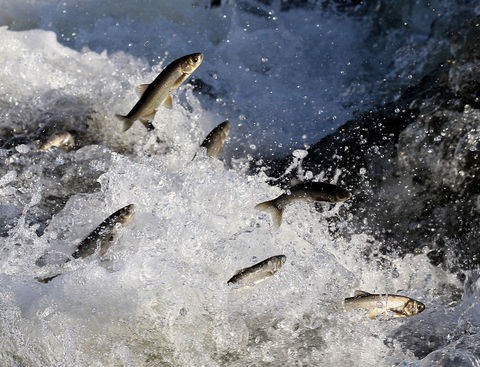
{"points": [[159, 93]]}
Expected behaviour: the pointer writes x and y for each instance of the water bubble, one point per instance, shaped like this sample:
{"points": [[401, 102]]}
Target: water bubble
{"points": [[22, 148], [300, 153]]}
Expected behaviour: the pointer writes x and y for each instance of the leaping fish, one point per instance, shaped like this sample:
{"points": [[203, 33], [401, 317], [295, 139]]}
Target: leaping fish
{"points": [[258, 272], [384, 304], [105, 234], [309, 191], [159, 91], [215, 140], [100, 238]]}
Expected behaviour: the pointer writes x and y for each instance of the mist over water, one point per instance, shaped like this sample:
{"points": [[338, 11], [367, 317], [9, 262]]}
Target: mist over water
{"points": [[159, 297]]}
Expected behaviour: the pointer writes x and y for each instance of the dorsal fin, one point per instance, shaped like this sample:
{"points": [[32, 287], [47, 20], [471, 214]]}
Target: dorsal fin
{"points": [[360, 293], [238, 272], [141, 89]]}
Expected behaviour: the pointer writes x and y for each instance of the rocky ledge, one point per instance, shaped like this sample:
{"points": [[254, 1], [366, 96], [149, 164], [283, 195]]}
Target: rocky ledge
{"points": [[412, 164]]}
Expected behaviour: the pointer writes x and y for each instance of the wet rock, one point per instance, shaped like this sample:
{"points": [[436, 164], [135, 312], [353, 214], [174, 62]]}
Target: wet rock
{"points": [[413, 165]]}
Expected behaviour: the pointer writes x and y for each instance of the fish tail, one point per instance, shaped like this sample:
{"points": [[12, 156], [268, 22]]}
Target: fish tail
{"points": [[271, 207], [127, 122]]}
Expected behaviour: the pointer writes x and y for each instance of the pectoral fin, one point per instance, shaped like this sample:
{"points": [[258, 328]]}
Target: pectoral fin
{"points": [[168, 102], [180, 80]]}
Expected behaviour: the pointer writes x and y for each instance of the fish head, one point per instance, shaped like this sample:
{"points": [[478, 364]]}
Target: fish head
{"points": [[65, 139], [342, 194], [127, 213], [413, 307], [277, 262], [191, 62], [225, 128]]}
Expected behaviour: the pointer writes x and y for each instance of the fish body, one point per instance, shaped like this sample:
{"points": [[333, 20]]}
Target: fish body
{"points": [[105, 234], [384, 304], [215, 140], [258, 272], [307, 191], [46, 280], [159, 91], [64, 140]]}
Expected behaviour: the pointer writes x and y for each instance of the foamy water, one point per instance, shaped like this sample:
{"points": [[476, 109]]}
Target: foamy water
{"points": [[159, 297]]}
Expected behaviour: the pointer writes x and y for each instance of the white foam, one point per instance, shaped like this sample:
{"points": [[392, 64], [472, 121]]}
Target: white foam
{"points": [[160, 297]]}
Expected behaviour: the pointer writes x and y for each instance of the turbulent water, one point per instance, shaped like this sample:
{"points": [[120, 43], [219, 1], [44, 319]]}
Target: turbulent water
{"points": [[284, 77]]}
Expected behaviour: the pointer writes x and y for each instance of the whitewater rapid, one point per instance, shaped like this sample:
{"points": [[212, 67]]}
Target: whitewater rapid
{"points": [[160, 296]]}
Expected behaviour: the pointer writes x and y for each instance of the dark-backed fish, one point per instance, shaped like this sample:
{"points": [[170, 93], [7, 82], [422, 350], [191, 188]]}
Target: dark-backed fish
{"points": [[159, 91], [46, 280], [215, 140], [308, 191], [384, 304], [105, 234], [101, 239], [258, 272]]}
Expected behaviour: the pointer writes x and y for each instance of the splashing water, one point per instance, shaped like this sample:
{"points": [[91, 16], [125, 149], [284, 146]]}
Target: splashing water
{"points": [[159, 296]]}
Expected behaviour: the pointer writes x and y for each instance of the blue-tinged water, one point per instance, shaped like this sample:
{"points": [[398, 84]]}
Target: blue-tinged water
{"points": [[284, 79]]}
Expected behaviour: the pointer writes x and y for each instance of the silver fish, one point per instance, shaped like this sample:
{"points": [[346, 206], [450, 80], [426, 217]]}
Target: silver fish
{"points": [[216, 139], [384, 304], [309, 191], [258, 272], [159, 91], [64, 140], [105, 234]]}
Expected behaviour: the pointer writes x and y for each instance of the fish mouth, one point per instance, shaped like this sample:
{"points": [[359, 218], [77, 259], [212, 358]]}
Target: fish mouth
{"points": [[130, 208], [197, 58], [344, 196], [420, 307], [129, 212]]}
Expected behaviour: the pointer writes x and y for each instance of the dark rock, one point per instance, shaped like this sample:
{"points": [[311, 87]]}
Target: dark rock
{"points": [[413, 165]]}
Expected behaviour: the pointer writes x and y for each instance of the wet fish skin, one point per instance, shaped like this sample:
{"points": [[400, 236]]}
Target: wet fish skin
{"points": [[159, 91], [215, 140], [384, 304], [258, 272], [308, 191], [64, 140], [105, 234]]}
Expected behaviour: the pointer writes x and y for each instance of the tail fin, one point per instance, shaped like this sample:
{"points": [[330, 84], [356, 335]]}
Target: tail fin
{"points": [[127, 123], [274, 210]]}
